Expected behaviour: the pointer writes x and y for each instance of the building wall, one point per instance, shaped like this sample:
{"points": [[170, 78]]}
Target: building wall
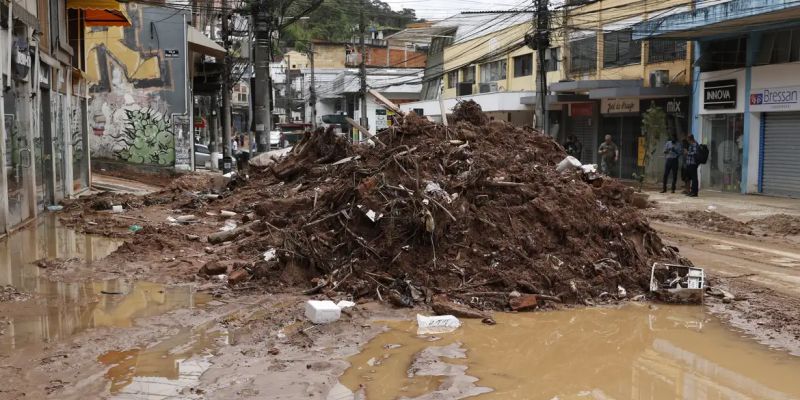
{"points": [[395, 58], [136, 90], [329, 55]]}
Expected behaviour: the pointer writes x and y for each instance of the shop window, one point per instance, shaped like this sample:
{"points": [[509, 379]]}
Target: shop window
{"points": [[723, 54], [523, 65], [468, 74], [493, 71], [666, 50], [620, 49], [552, 58], [452, 79], [583, 55], [779, 47]]}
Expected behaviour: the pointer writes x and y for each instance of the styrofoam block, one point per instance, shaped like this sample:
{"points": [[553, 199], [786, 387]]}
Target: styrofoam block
{"points": [[322, 312]]}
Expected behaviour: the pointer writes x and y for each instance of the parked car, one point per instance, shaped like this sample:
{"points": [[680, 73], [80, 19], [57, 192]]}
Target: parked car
{"points": [[202, 156]]}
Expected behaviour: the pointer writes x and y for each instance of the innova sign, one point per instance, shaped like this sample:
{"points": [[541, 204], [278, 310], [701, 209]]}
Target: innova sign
{"points": [[785, 98]]}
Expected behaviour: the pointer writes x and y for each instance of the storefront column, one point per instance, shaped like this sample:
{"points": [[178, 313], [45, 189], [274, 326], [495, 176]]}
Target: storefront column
{"points": [[67, 130]]}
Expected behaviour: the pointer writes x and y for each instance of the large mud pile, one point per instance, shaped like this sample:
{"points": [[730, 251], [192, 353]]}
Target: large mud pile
{"points": [[472, 211]]}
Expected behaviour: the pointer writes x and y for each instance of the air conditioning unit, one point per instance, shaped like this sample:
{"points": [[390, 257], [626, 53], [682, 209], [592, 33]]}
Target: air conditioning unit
{"points": [[464, 89], [659, 78], [488, 87]]}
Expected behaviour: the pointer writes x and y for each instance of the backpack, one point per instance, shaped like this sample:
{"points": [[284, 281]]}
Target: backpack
{"points": [[702, 154]]}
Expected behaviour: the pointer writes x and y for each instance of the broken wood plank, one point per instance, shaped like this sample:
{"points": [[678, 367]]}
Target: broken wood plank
{"points": [[364, 130], [225, 236], [386, 102]]}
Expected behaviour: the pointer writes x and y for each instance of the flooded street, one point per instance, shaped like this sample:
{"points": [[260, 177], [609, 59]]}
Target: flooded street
{"points": [[59, 308], [634, 352]]}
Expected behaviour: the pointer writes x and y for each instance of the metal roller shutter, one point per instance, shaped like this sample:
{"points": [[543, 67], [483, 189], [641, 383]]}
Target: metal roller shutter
{"points": [[781, 158]]}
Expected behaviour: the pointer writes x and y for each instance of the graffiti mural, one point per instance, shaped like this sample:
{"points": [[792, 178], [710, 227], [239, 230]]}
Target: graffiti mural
{"points": [[148, 139], [134, 89]]}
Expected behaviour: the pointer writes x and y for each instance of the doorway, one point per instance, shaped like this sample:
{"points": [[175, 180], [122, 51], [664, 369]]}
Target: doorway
{"points": [[625, 132]]}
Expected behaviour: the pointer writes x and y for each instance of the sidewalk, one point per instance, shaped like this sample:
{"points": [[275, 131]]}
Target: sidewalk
{"points": [[737, 206], [111, 183]]}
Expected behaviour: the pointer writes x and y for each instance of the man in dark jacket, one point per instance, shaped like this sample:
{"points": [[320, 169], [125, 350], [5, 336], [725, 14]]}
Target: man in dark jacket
{"points": [[672, 151], [690, 153]]}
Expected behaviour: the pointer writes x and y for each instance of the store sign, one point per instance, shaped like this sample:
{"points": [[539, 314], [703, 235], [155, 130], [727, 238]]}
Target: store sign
{"points": [[675, 107], [785, 98], [383, 118], [619, 106], [719, 95], [580, 110], [171, 53]]}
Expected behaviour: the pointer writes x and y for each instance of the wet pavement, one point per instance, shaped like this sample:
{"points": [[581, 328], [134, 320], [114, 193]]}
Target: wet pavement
{"points": [[59, 309], [634, 352]]}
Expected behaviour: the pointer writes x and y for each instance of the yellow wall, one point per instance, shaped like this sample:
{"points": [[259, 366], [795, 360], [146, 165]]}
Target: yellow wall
{"points": [[329, 55], [612, 14], [295, 59]]}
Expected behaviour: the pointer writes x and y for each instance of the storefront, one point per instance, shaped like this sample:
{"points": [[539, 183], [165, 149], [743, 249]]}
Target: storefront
{"points": [[622, 120]]}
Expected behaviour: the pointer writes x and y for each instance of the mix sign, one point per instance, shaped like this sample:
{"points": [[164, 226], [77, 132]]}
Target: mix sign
{"points": [[775, 99]]}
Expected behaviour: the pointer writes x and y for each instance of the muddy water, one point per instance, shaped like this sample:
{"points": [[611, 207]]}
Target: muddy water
{"points": [[165, 369], [60, 309], [634, 352]]}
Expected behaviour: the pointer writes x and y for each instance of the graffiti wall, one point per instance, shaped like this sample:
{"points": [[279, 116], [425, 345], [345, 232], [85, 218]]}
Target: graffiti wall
{"points": [[137, 84]]}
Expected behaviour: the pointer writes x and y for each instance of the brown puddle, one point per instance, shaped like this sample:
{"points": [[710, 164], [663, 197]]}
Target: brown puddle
{"points": [[164, 370], [61, 309], [633, 352]]}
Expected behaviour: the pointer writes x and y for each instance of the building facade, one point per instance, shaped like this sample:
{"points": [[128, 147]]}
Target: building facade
{"points": [[746, 98], [44, 102]]}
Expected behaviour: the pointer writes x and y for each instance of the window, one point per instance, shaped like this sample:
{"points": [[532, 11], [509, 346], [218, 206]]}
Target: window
{"points": [[779, 47], [666, 50], [468, 74], [723, 54], [619, 49], [452, 79], [552, 57], [243, 97], [523, 65], [493, 71], [583, 55]]}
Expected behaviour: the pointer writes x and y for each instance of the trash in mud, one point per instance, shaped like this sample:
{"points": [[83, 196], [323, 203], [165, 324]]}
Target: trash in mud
{"points": [[322, 312], [135, 228], [436, 324], [677, 283], [343, 304], [116, 209]]}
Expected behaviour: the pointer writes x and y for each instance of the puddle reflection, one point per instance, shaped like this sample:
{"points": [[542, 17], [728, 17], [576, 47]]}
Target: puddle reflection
{"points": [[629, 353]]}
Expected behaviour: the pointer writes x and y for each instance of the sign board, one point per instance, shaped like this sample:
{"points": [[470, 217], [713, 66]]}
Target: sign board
{"points": [[171, 53], [619, 106], [383, 118], [675, 106], [786, 98], [640, 151], [718, 95], [181, 127], [580, 110]]}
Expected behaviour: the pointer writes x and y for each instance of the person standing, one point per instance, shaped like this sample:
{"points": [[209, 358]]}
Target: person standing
{"points": [[573, 147], [690, 153], [609, 155], [672, 151]]}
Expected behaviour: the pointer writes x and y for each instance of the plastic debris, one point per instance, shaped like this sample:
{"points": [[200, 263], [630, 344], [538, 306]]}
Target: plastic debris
{"points": [[270, 254], [55, 207], [569, 163], [226, 213], [116, 209], [229, 225], [345, 304], [135, 228], [322, 312], [436, 324]]}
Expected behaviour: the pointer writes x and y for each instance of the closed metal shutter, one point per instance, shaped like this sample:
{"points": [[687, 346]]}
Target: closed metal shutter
{"points": [[582, 128], [781, 158]]}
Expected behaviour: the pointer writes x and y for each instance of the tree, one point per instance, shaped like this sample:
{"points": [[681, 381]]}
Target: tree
{"points": [[654, 126]]}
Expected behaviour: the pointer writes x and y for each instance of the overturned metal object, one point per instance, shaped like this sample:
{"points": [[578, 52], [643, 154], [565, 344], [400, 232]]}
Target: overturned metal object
{"points": [[673, 283]]}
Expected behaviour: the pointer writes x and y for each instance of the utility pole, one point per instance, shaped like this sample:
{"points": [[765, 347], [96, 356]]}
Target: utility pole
{"points": [[262, 88], [541, 42], [226, 83], [363, 68], [313, 90]]}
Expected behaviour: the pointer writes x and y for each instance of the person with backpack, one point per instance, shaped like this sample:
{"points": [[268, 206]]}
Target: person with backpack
{"points": [[695, 154], [573, 147], [672, 151]]}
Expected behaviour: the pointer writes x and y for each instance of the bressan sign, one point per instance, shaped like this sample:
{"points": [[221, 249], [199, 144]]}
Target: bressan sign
{"points": [[785, 98], [718, 95]]}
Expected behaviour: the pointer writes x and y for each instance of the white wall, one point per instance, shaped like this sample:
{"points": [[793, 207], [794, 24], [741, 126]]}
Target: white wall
{"points": [[741, 96], [489, 102]]}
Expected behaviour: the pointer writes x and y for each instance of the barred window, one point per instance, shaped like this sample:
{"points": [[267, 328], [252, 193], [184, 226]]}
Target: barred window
{"points": [[620, 49], [583, 55], [552, 58], [666, 50], [523, 65]]}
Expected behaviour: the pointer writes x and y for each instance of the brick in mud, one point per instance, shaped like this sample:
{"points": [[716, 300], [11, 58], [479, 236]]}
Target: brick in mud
{"points": [[238, 276], [526, 302]]}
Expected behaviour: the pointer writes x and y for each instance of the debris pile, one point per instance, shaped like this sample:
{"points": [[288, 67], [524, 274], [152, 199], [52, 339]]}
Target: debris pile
{"points": [[475, 211]]}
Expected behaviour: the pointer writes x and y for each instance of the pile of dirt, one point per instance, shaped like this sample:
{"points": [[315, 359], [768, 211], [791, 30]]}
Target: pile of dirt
{"points": [[780, 224], [9, 293], [714, 221], [473, 211]]}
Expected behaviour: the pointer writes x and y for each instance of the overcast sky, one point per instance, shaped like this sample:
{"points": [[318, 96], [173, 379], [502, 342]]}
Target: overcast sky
{"points": [[437, 9]]}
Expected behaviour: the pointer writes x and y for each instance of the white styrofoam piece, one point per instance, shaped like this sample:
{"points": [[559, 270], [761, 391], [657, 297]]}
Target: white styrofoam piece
{"points": [[322, 312]]}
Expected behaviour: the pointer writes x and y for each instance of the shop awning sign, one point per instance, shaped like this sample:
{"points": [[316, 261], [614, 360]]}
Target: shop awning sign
{"points": [[619, 106], [719, 95], [786, 98]]}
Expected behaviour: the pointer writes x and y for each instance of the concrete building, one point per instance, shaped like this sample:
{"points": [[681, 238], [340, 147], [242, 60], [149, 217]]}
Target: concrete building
{"points": [[140, 84], [44, 148], [746, 98]]}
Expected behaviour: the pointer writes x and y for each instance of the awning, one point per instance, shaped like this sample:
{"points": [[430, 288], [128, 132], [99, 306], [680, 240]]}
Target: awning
{"points": [[101, 12], [584, 85], [200, 43], [640, 92]]}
